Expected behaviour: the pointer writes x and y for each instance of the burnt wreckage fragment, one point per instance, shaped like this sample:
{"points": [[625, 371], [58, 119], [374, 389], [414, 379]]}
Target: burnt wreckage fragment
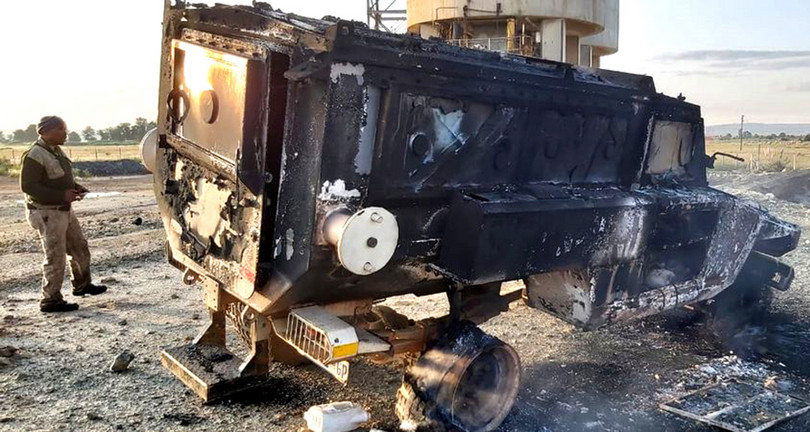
{"points": [[306, 169]]}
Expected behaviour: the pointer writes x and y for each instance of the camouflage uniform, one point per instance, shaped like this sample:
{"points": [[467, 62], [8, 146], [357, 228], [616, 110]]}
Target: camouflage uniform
{"points": [[45, 175]]}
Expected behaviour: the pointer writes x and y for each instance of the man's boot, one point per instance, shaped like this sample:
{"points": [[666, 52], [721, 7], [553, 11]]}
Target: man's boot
{"points": [[90, 289], [62, 306]]}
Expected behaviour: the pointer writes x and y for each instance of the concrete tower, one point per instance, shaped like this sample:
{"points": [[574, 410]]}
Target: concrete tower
{"points": [[572, 31]]}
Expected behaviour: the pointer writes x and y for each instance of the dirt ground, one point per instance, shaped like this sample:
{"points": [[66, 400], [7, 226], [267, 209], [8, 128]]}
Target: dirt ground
{"points": [[607, 380]]}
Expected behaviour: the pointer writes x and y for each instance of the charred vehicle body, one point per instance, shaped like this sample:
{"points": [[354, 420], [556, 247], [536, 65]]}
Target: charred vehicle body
{"points": [[307, 169]]}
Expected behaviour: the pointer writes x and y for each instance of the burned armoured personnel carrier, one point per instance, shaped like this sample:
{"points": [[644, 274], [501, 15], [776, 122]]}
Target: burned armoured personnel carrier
{"points": [[307, 169]]}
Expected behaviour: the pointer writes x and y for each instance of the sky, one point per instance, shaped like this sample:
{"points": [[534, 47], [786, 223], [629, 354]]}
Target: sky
{"points": [[96, 62]]}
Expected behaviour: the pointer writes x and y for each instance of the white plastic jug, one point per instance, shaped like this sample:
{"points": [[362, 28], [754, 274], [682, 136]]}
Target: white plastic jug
{"points": [[335, 417]]}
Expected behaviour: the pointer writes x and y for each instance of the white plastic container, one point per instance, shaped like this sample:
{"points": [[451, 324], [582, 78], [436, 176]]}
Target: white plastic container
{"points": [[335, 417]]}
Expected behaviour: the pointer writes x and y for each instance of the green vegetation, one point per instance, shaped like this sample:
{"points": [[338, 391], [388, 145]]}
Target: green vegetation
{"points": [[6, 166], [123, 132], [772, 137]]}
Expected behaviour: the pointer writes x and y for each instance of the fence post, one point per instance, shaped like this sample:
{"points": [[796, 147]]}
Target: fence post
{"points": [[96, 154], [794, 161], [119, 153]]}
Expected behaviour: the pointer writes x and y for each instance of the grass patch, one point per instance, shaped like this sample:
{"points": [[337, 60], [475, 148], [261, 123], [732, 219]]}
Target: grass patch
{"points": [[761, 155], [6, 166]]}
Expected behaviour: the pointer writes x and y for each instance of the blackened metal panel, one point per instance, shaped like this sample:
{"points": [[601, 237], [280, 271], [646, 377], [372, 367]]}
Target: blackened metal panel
{"points": [[299, 176], [502, 236]]}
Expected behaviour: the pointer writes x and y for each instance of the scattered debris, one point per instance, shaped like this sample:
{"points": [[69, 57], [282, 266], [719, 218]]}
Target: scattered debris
{"points": [[123, 322], [122, 361], [737, 406], [138, 221], [335, 417], [93, 416], [719, 370], [8, 351], [109, 280]]}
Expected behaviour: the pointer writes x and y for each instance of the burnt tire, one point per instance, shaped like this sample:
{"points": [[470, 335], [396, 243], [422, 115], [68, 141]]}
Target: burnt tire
{"points": [[468, 381], [411, 410]]}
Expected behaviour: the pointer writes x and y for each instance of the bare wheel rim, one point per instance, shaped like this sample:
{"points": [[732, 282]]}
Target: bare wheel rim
{"points": [[486, 389]]}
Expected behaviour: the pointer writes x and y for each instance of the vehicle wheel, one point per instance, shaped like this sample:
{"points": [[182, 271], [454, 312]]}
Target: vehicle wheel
{"points": [[467, 381]]}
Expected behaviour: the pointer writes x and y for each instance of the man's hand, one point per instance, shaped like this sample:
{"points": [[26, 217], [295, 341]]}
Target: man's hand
{"points": [[71, 195]]}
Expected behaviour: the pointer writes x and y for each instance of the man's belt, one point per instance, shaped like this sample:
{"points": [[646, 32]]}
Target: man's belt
{"points": [[34, 206]]}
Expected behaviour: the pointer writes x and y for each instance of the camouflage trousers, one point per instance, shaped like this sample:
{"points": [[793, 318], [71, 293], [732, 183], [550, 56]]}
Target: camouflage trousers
{"points": [[62, 240]]}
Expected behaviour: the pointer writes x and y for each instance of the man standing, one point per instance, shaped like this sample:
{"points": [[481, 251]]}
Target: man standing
{"points": [[46, 178]]}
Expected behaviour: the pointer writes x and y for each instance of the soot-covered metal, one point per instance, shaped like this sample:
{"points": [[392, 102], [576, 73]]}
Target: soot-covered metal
{"points": [[307, 168], [496, 167]]}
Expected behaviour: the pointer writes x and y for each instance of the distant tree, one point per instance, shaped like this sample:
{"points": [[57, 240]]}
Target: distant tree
{"points": [[3, 137], [782, 135], [74, 137], [806, 138], [18, 136], [120, 132], [105, 134], [31, 133], [747, 135], [89, 134], [151, 125], [28, 134], [139, 130]]}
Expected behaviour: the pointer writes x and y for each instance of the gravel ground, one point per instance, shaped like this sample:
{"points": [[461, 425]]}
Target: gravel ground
{"points": [[607, 380]]}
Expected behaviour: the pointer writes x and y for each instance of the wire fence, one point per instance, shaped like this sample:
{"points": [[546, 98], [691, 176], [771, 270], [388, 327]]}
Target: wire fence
{"points": [[762, 157], [81, 153]]}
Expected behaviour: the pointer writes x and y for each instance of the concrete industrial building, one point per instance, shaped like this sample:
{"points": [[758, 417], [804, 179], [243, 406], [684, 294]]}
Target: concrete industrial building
{"points": [[573, 31]]}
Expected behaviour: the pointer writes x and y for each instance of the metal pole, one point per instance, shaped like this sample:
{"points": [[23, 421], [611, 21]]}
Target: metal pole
{"points": [[742, 129], [377, 15]]}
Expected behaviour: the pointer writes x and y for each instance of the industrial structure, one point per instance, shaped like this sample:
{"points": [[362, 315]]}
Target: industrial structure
{"points": [[579, 32]]}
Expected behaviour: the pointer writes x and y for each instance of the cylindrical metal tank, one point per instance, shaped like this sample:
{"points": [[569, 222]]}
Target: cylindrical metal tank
{"points": [[606, 42], [551, 29]]}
